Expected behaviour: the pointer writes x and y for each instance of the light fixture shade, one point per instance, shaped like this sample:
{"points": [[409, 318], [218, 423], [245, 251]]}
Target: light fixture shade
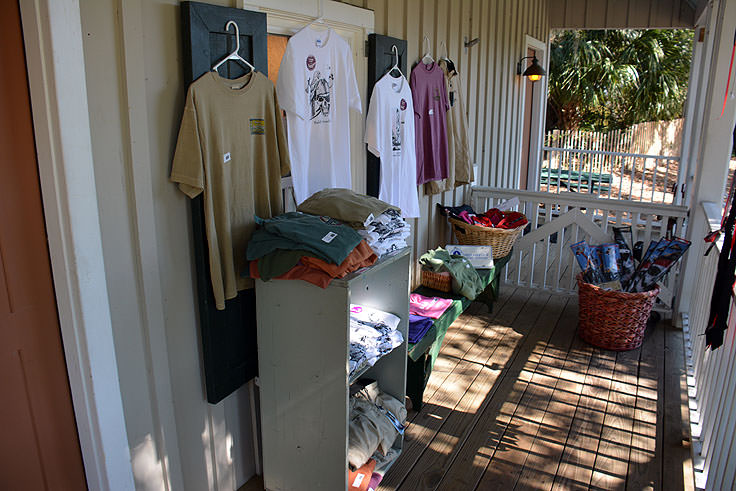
{"points": [[534, 72]]}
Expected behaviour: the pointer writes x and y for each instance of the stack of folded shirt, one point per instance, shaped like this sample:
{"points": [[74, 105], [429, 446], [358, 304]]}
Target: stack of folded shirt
{"points": [[373, 334], [378, 222], [312, 248], [422, 313], [387, 233], [376, 419]]}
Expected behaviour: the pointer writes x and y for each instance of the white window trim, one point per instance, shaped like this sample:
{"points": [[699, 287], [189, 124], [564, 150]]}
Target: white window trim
{"points": [[55, 63]]}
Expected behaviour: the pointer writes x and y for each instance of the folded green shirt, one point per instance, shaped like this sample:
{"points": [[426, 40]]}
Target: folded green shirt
{"points": [[323, 237], [465, 278]]}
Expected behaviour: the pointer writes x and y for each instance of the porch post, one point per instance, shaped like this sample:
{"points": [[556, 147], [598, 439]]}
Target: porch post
{"points": [[714, 142]]}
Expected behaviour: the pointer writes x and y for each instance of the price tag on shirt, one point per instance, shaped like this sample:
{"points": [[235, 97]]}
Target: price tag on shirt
{"points": [[329, 237]]}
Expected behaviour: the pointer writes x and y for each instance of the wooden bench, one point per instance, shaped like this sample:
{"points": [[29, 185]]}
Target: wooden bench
{"points": [[574, 180], [423, 353]]}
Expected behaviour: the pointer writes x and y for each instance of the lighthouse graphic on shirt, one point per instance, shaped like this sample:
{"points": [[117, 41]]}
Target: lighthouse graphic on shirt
{"points": [[396, 133]]}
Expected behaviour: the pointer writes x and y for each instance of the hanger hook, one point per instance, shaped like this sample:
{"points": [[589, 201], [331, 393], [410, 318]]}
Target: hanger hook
{"points": [[395, 51], [429, 43], [237, 33]]}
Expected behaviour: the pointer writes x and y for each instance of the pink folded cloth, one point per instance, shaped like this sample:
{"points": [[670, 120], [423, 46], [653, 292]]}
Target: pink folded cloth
{"points": [[432, 307], [375, 481]]}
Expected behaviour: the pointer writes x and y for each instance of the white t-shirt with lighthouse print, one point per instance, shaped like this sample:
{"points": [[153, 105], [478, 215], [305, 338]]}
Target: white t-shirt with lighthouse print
{"points": [[317, 87], [389, 133]]}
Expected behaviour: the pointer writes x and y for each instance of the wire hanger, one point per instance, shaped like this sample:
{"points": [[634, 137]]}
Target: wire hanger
{"points": [[395, 51], [234, 55], [320, 19], [427, 58], [449, 63]]}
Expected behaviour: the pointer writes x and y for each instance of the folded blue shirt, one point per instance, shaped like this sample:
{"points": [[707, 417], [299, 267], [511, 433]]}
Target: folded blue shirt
{"points": [[418, 327]]}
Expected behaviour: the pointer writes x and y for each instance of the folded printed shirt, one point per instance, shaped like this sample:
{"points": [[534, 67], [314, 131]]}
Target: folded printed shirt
{"points": [[432, 307]]}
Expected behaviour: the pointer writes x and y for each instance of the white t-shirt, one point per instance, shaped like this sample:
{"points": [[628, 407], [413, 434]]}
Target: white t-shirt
{"points": [[389, 133], [317, 88]]}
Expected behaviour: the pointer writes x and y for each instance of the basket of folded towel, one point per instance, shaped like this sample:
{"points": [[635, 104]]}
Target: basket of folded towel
{"points": [[496, 228]]}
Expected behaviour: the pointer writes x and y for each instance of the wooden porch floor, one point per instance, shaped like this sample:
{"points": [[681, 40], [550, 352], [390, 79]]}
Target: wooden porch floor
{"points": [[518, 401]]}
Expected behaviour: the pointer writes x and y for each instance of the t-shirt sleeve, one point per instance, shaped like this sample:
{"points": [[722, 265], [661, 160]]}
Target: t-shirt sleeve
{"points": [[286, 86], [372, 129], [283, 148], [188, 167], [353, 94]]}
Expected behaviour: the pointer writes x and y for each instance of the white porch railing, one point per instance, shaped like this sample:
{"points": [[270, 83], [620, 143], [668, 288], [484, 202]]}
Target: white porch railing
{"points": [[611, 175], [542, 257], [711, 379]]}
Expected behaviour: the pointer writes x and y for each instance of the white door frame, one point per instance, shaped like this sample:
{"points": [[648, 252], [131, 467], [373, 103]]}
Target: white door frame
{"points": [[539, 114], [354, 23], [55, 62]]}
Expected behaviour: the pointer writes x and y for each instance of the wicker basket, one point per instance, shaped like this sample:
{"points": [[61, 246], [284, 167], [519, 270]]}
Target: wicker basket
{"points": [[501, 240], [438, 281], [613, 320]]}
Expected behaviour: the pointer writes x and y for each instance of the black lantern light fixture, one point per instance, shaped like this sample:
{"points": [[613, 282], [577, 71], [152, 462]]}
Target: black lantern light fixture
{"points": [[533, 72]]}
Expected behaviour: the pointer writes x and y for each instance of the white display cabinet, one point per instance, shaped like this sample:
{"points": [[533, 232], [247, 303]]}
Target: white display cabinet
{"points": [[303, 355]]}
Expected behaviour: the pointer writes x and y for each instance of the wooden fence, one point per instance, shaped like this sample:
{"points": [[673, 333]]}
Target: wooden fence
{"points": [[640, 163], [663, 138]]}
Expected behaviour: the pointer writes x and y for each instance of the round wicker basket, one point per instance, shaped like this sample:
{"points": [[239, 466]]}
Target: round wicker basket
{"points": [[613, 320], [501, 240]]}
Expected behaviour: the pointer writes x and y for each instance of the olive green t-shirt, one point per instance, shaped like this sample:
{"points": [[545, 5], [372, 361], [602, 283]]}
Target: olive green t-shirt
{"points": [[232, 148]]}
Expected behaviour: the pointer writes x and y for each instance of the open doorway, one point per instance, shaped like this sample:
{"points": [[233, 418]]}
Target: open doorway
{"points": [[533, 118]]}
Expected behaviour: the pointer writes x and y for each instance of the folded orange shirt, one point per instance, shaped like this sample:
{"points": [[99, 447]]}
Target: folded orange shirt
{"points": [[360, 478], [319, 272]]}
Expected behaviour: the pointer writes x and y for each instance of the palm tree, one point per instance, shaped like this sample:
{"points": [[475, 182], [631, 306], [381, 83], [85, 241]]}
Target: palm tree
{"points": [[612, 79]]}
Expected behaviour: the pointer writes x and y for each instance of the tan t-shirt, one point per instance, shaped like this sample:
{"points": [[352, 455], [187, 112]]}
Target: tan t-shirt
{"points": [[232, 148]]}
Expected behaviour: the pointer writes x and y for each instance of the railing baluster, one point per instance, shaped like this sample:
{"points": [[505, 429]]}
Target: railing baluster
{"points": [[571, 279], [654, 179], [560, 243]]}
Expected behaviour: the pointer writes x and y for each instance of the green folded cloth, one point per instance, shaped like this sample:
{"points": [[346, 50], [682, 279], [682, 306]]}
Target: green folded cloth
{"points": [[343, 204], [465, 278], [323, 237]]}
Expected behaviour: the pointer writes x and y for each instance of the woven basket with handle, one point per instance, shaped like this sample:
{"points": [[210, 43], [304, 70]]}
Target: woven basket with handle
{"points": [[613, 320], [501, 240], [438, 281]]}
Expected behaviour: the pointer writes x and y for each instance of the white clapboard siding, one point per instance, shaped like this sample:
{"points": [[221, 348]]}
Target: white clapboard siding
{"points": [[492, 91], [618, 14]]}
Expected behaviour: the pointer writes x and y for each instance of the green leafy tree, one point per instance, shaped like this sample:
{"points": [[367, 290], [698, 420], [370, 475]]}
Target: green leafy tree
{"points": [[611, 79]]}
